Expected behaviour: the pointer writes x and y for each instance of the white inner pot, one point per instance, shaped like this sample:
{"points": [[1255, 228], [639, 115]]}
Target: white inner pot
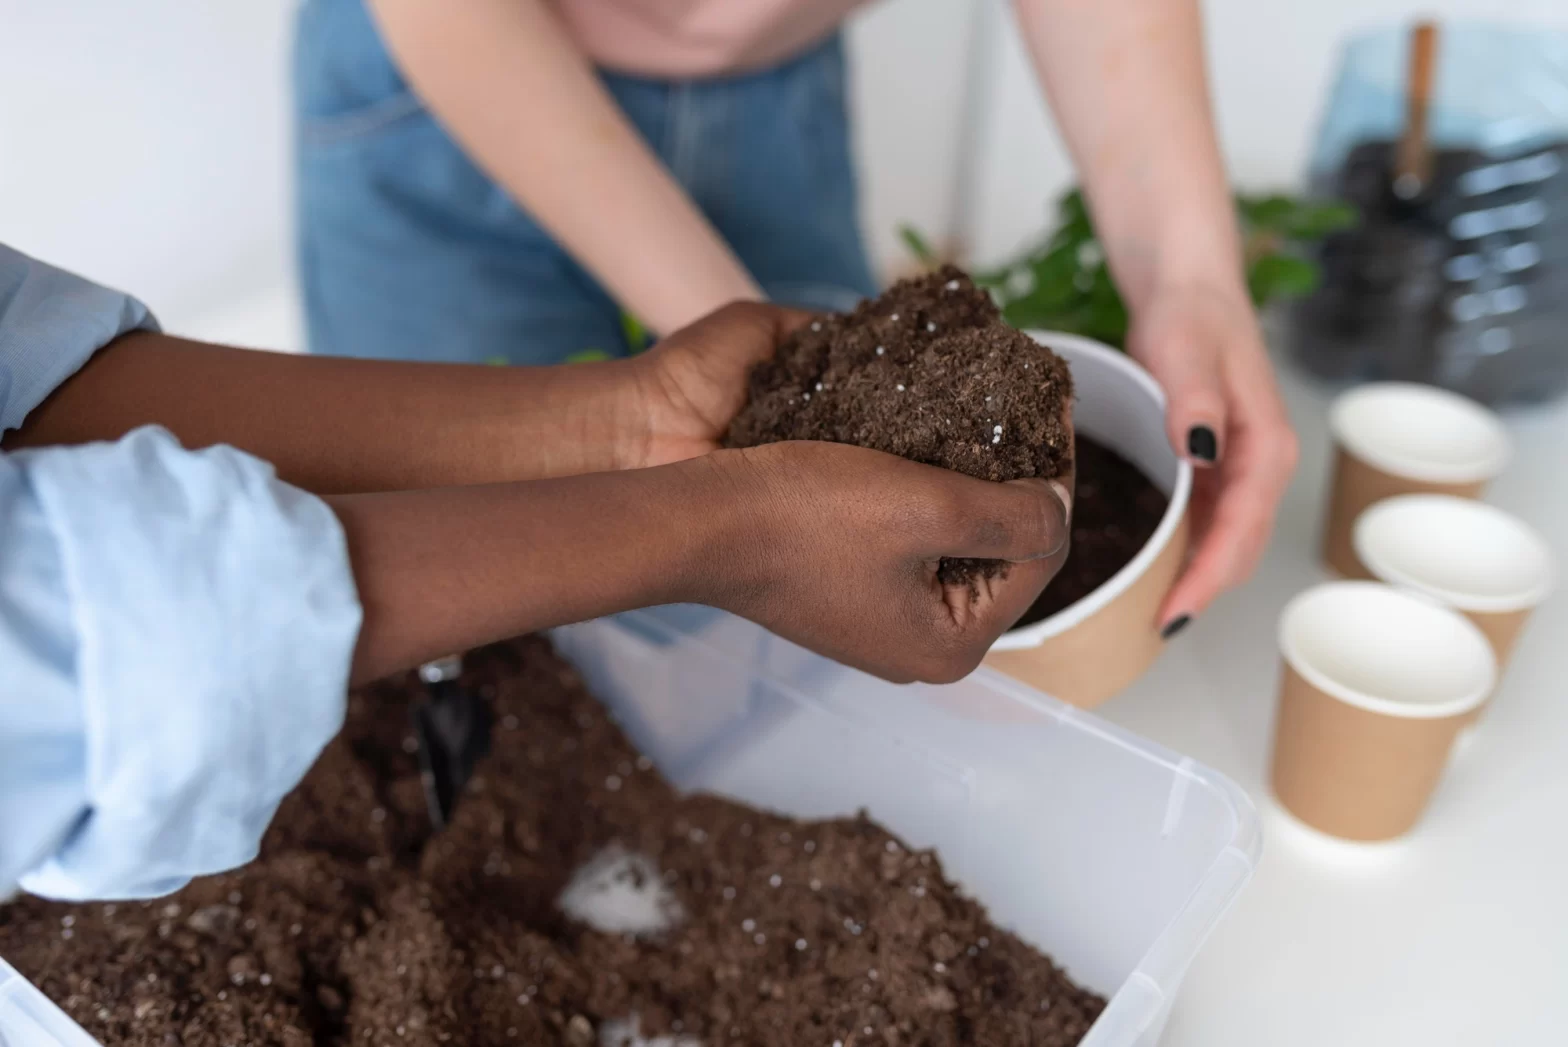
{"points": [[1119, 404]]}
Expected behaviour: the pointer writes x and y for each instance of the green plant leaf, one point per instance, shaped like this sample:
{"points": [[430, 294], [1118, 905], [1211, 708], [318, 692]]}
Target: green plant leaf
{"points": [[918, 246], [1055, 277], [587, 356], [1314, 221], [1072, 211], [1295, 219], [1265, 212], [1280, 276], [636, 334], [991, 279]]}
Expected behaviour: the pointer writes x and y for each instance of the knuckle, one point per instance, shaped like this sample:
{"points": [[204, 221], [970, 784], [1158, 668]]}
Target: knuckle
{"points": [[990, 531]]}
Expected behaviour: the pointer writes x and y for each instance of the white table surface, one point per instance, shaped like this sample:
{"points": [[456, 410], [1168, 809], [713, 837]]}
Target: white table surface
{"points": [[1457, 934]]}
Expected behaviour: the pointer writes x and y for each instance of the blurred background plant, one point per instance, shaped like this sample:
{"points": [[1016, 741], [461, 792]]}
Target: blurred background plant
{"points": [[1063, 284]]}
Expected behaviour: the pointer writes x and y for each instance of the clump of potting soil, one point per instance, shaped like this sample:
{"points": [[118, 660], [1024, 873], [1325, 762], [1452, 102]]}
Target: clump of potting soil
{"points": [[1116, 510], [693, 921], [928, 371]]}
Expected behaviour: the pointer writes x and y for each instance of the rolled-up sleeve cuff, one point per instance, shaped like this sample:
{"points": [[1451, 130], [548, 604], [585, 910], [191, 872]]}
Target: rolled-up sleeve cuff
{"points": [[216, 616], [51, 323]]}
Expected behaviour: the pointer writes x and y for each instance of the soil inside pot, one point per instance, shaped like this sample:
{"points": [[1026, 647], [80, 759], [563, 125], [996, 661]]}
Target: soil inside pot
{"points": [[1116, 511], [928, 371], [718, 923]]}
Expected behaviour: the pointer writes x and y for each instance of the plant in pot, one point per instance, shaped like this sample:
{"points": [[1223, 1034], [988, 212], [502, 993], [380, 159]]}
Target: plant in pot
{"points": [[1094, 629]]}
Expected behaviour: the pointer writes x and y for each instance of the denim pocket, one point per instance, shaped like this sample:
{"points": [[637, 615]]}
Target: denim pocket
{"points": [[346, 86]]}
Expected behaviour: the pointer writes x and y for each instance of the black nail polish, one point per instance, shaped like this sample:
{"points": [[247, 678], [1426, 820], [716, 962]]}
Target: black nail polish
{"points": [[1202, 443], [1175, 625]]}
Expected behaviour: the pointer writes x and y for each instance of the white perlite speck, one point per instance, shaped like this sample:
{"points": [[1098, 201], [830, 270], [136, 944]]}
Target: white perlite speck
{"points": [[627, 1032], [881, 350], [899, 388], [619, 892], [951, 285], [930, 326]]}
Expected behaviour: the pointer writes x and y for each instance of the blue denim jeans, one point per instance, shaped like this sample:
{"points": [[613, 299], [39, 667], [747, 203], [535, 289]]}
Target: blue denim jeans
{"points": [[407, 250]]}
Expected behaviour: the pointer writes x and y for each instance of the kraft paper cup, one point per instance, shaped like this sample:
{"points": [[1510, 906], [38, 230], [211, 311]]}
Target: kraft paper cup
{"points": [[1396, 438], [1376, 684], [1091, 650], [1485, 563]]}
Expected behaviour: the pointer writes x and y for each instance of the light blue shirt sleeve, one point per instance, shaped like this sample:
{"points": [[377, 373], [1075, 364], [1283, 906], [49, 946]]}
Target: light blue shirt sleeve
{"points": [[176, 629], [51, 323]]}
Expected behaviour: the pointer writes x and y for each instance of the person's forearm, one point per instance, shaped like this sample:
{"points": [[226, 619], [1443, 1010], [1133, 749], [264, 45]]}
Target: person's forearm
{"points": [[446, 570], [507, 81], [1127, 83], [338, 425]]}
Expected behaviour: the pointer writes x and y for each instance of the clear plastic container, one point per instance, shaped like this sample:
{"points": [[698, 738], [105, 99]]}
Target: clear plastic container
{"points": [[29, 1019], [1112, 854], [1461, 285]]}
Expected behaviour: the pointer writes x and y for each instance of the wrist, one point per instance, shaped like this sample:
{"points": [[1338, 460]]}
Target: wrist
{"points": [[641, 407], [1187, 235], [570, 419], [724, 509]]}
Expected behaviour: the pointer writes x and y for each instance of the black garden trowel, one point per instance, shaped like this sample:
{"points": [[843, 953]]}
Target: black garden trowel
{"points": [[452, 726]]}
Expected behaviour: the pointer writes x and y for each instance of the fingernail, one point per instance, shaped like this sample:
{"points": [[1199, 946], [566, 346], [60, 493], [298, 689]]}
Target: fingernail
{"points": [[1202, 444], [1175, 625], [1065, 496]]}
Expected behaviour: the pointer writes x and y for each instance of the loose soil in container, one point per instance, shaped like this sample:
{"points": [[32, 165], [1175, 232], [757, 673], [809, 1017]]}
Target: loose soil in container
{"points": [[357, 926], [928, 371], [1116, 511]]}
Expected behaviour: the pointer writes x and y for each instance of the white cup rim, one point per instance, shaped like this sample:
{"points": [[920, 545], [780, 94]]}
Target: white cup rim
{"points": [[1392, 601], [1379, 543], [1036, 633], [1356, 415]]}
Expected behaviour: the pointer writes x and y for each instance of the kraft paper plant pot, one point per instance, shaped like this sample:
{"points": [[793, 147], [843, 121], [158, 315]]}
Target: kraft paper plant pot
{"points": [[1094, 648]]}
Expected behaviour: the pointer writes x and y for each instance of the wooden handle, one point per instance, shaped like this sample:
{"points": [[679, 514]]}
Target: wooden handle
{"points": [[1413, 167]]}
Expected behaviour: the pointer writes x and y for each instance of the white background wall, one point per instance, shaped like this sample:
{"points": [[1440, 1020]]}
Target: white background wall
{"points": [[146, 143]]}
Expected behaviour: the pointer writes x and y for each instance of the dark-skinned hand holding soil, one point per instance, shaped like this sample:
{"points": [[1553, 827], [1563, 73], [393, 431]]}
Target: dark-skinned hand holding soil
{"points": [[482, 503], [928, 371]]}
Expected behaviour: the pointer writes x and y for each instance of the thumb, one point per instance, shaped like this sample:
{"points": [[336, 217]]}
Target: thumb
{"points": [[1019, 521]]}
